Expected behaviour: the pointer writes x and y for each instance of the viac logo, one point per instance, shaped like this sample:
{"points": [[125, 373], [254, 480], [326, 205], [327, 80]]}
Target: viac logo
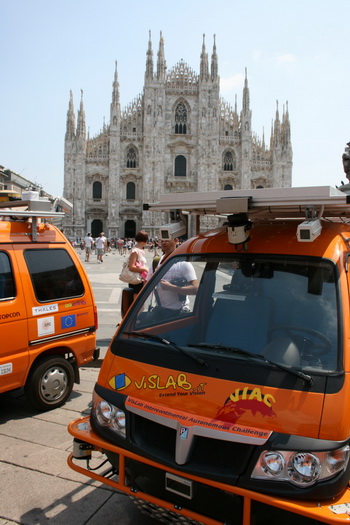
{"points": [[244, 399]]}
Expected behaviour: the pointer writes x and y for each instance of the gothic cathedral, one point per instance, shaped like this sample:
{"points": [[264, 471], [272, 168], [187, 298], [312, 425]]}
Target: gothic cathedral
{"points": [[179, 135]]}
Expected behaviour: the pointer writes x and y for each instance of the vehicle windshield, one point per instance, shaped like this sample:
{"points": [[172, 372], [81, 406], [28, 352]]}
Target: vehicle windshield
{"points": [[284, 308]]}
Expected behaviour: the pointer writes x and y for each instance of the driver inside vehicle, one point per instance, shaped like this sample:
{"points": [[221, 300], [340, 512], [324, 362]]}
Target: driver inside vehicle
{"points": [[177, 284]]}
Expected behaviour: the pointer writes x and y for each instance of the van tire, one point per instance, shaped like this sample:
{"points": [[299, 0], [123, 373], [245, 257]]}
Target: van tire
{"points": [[50, 383]]}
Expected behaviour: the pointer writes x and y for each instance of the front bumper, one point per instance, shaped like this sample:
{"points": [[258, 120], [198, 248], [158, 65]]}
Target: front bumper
{"points": [[335, 511]]}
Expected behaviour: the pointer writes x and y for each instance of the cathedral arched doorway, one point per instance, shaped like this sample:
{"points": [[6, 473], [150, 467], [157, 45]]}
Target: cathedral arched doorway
{"points": [[96, 228], [130, 229]]}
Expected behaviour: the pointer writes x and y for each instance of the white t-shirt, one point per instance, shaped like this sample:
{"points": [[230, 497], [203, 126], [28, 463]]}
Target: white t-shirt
{"points": [[100, 243], [169, 298], [88, 241]]}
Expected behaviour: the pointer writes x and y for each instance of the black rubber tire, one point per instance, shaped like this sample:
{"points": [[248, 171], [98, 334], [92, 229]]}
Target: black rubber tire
{"points": [[50, 383]]}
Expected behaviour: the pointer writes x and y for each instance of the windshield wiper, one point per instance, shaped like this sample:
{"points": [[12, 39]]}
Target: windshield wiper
{"points": [[154, 337], [298, 373]]}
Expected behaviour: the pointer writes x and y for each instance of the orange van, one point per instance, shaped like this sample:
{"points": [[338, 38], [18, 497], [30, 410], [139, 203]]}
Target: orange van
{"points": [[48, 317], [231, 406]]}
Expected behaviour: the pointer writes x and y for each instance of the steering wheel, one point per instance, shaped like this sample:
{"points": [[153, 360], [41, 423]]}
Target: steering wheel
{"points": [[318, 350]]}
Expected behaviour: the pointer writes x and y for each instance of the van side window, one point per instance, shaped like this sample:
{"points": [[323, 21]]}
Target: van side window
{"points": [[53, 273], [7, 284]]}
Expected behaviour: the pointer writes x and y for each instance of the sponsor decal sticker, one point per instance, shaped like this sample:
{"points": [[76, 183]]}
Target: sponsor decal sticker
{"points": [[80, 302], [5, 369], [68, 321], [191, 420], [45, 309], [244, 399], [170, 386], [10, 315], [46, 326]]}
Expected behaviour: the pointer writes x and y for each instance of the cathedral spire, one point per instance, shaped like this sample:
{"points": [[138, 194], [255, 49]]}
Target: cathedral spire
{"points": [[149, 60], [115, 93], [271, 136], [286, 126], [81, 127], [204, 67], [161, 64], [235, 116], [246, 96], [115, 104], [214, 64], [70, 128], [277, 128]]}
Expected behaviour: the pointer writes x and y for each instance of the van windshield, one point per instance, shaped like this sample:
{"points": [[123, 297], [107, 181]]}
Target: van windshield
{"points": [[282, 307]]}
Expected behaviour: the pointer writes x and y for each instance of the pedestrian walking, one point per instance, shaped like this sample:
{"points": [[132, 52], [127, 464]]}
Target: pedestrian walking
{"points": [[88, 243], [101, 244]]}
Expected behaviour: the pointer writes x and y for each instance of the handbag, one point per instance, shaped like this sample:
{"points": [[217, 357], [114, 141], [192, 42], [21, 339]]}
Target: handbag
{"points": [[129, 277]]}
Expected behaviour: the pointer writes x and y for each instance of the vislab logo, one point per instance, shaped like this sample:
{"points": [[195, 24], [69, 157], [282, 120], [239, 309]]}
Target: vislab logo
{"points": [[243, 400], [120, 382]]}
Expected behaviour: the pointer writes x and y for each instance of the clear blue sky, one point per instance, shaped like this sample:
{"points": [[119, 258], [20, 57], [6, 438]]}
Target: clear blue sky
{"points": [[295, 51]]}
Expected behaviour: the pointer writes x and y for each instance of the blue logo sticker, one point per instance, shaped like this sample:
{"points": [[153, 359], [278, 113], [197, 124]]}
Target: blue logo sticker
{"points": [[68, 321]]}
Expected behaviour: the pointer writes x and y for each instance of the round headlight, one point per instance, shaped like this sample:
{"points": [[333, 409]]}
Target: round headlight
{"points": [[304, 468], [118, 421], [272, 463], [105, 410]]}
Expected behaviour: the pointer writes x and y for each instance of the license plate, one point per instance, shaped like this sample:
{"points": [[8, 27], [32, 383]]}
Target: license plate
{"points": [[180, 486]]}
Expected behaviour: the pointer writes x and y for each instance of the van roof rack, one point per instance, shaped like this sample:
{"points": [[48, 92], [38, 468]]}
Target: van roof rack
{"points": [[34, 209], [265, 203]]}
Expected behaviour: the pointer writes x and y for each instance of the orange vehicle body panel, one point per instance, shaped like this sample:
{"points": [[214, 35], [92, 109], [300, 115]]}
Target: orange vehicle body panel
{"points": [[249, 405], [32, 329]]}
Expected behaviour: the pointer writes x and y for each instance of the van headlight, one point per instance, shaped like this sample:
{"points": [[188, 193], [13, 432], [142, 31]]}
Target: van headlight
{"points": [[108, 415], [300, 468]]}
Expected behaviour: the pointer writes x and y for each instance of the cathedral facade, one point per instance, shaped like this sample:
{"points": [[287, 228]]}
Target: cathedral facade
{"points": [[179, 135]]}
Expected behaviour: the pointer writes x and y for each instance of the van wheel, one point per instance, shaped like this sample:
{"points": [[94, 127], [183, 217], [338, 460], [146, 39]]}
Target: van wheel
{"points": [[50, 383]]}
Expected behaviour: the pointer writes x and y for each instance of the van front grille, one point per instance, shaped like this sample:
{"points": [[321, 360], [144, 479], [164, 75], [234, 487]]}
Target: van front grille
{"points": [[222, 460]]}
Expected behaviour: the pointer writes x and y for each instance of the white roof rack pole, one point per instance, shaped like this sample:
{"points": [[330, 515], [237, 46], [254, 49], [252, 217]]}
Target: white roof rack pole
{"points": [[34, 229]]}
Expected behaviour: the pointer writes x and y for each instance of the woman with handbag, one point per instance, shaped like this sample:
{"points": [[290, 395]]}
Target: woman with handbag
{"points": [[137, 260]]}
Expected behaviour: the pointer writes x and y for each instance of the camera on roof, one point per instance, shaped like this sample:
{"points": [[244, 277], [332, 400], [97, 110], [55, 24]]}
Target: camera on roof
{"points": [[307, 231], [238, 228], [61, 204], [172, 230]]}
